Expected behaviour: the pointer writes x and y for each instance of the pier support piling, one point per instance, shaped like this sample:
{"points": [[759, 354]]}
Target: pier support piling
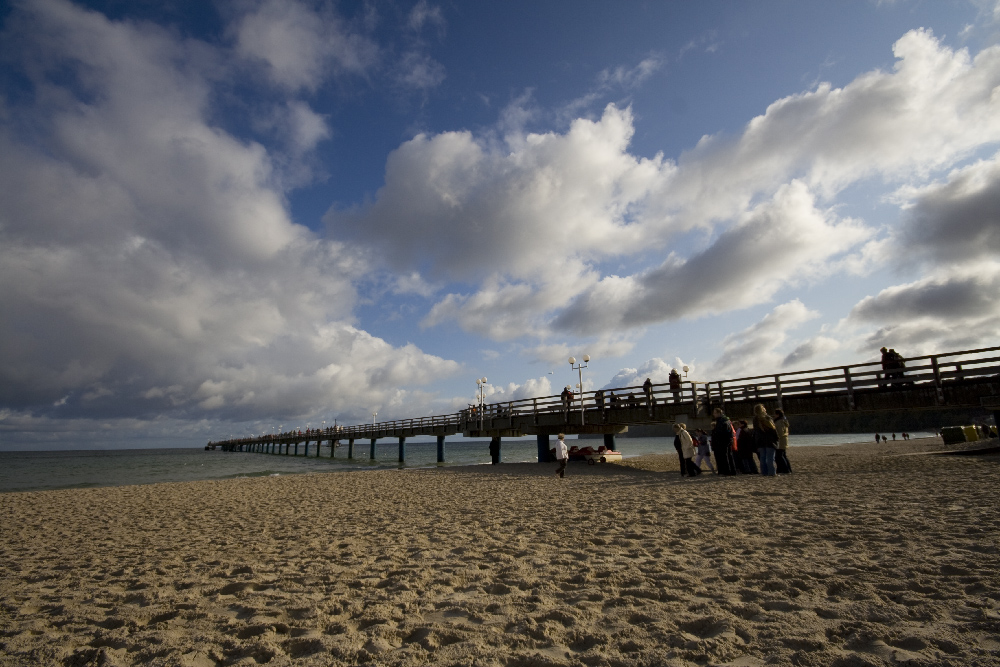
{"points": [[402, 449], [350, 448], [609, 442], [372, 453], [543, 447], [440, 444]]}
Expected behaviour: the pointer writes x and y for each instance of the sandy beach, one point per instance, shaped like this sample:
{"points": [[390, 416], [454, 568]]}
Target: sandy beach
{"points": [[866, 555]]}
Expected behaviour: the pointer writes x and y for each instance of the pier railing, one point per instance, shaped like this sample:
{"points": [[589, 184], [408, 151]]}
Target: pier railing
{"points": [[837, 388]]}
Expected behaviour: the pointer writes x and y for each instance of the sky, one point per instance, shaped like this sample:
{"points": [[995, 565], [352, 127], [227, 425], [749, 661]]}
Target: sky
{"points": [[225, 218]]}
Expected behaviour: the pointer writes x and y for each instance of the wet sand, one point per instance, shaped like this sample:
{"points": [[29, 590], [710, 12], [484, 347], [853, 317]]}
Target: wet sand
{"points": [[864, 556]]}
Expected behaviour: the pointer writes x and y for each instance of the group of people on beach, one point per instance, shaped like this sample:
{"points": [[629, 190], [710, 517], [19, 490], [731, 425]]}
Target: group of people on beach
{"points": [[734, 446], [883, 438]]}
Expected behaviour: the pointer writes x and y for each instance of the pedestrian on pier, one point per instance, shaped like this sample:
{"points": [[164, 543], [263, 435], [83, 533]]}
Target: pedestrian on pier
{"points": [[674, 379], [781, 462], [766, 439], [562, 455], [567, 398], [647, 389]]}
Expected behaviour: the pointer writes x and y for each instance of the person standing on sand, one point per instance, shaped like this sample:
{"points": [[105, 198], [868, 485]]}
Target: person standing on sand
{"points": [[680, 452], [783, 465], [723, 439], [766, 438], [683, 440], [562, 455], [495, 450], [746, 447]]}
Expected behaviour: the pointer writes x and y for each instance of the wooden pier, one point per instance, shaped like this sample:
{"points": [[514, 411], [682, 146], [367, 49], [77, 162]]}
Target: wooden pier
{"points": [[969, 378]]}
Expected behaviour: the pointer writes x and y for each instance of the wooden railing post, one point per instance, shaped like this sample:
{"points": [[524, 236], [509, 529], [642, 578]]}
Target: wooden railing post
{"points": [[850, 388], [777, 386], [938, 391]]}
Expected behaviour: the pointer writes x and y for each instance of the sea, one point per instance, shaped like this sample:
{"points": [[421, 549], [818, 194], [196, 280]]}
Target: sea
{"points": [[80, 469]]}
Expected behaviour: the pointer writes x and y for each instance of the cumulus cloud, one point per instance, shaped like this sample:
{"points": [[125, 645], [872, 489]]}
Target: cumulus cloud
{"points": [[786, 239], [656, 369], [955, 220], [530, 388], [300, 45], [818, 346], [149, 263], [555, 209], [755, 349], [954, 308]]}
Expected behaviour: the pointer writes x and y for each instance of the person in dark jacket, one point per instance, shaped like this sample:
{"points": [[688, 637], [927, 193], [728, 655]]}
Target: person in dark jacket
{"points": [[495, 450], [647, 390], [675, 384], [680, 453], [766, 438], [746, 448], [722, 443]]}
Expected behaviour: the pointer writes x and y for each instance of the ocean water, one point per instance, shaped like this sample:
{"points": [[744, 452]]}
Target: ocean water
{"points": [[33, 471]]}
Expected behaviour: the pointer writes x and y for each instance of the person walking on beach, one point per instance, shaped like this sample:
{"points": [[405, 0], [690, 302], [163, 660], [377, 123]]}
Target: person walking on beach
{"points": [[562, 455], [683, 441], [781, 462], [766, 438], [702, 450], [723, 439], [495, 450]]}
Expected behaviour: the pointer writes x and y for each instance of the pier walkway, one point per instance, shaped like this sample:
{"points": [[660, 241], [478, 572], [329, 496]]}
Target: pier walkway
{"points": [[968, 378]]}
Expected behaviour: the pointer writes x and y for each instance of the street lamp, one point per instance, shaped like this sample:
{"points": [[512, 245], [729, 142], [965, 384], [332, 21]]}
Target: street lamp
{"points": [[481, 383], [686, 369], [579, 367]]}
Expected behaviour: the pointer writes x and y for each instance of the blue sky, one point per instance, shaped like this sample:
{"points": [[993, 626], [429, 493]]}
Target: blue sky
{"points": [[222, 217]]}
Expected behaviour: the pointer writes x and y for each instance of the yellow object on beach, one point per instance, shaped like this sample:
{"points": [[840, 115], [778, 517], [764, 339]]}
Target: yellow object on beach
{"points": [[971, 433]]}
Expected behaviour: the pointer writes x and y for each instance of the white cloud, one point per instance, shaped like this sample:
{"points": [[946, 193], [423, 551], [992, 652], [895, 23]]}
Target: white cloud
{"points": [[149, 256], [756, 348], [954, 308], [418, 70], [552, 208], [423, 14], [786, 240], [957, 220], [817, 346], [300, 46]]}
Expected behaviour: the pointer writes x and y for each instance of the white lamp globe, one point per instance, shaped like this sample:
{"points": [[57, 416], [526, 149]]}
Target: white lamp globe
{"points": [[572, 360], [586, 358]]}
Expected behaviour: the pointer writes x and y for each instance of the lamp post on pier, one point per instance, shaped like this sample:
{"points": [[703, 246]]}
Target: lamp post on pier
{"points": [[579, 367], [481, 383]]}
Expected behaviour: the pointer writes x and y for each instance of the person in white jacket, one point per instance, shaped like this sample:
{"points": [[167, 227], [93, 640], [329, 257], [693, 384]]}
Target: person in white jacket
{"points": [[683, 438], [562, 455]]}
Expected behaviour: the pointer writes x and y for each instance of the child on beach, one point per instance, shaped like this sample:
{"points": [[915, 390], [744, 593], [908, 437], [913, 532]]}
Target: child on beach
{"points": [[562, 455], [704, 450]]}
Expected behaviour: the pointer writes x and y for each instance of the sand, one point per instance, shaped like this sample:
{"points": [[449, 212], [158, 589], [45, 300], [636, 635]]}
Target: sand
{"points": [[864, 556]]}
